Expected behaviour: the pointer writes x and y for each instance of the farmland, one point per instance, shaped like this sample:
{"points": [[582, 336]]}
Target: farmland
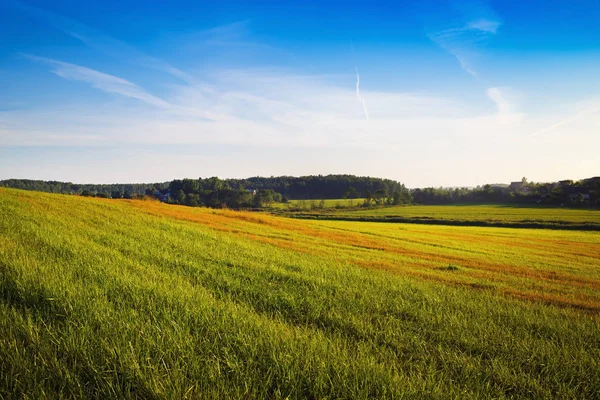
{"points": [[499, 215], [314, 204], [119, 298]]}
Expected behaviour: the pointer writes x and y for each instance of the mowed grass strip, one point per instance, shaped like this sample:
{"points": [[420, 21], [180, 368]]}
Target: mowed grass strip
{"points": [[315, 204], [122, 299], [492, 214]]}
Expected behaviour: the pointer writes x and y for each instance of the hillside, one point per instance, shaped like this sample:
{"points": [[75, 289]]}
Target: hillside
{"points": [[124, 298]]}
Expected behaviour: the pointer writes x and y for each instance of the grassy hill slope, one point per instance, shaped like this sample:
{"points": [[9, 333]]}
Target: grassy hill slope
{"points": [[118, 299]]}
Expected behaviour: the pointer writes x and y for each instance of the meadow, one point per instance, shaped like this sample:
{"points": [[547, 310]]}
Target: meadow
{"points": [[317, 204], [476, 214], [138, 299]]}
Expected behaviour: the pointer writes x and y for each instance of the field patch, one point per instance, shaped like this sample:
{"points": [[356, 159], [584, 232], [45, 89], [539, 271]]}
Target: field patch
{"points": [[517, 216]]}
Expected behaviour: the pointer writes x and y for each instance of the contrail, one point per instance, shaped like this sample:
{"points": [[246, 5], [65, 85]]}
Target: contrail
{"points": [[362, 100], [567, 121]]}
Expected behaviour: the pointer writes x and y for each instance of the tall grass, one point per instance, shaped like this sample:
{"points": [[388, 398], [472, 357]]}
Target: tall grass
{"points": [[121, 299]]}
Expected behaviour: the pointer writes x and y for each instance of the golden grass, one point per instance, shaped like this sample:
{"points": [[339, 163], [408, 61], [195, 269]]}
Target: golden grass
{"points": [[557, 267]]}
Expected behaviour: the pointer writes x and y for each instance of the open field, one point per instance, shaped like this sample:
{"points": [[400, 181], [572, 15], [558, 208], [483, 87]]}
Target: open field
{"points": [[312, 204], [117, 299], [517, 215]]}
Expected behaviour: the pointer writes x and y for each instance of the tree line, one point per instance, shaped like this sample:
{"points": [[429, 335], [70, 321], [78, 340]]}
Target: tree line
{"points": [[216, 193], [257, 192], [117, 190], [316, 187], [585, 192]]}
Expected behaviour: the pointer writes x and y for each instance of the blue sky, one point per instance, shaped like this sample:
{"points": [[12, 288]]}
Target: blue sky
{"points": [[432, 93]]}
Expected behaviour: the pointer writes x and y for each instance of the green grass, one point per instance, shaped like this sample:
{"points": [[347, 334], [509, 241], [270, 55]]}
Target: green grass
{"points": [[316, 204], [533, 215], [123, 299], [489, 212]]}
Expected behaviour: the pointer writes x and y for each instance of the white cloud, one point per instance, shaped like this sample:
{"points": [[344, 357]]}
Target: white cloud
{"points": [[272, 117], [506, 112], [464, 38], [495, 94], [266, 109], [484, 25], [100, 80]]}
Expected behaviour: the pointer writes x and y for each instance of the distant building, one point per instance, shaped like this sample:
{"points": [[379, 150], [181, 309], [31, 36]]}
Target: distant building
{"points": [[517, 186]]}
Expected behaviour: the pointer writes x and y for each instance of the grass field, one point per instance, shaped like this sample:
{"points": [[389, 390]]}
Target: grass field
{"points": [[120, 299], [485, 214], [313, 204]]}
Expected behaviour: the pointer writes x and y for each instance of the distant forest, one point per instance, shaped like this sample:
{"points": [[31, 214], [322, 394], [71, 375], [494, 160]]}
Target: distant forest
{"points": [[584, 193], [254, 192], [117, 190], [258, 192]]}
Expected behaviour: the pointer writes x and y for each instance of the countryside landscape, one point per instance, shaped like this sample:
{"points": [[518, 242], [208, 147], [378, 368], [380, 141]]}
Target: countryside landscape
{"points": [[299, 200]]}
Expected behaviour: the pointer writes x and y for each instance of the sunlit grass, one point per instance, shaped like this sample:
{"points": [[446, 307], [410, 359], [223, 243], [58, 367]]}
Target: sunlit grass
{"points": [[116, 299], [535, 216], [501, 213], [317, 204]]}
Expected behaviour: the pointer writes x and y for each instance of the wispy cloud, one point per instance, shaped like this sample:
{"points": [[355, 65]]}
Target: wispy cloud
{"points": [[505, 110], [100, 80], [484, 25], [259, 107], [101, 42], [304, 111], [235, 34], [503, 105], [464, 38]]}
